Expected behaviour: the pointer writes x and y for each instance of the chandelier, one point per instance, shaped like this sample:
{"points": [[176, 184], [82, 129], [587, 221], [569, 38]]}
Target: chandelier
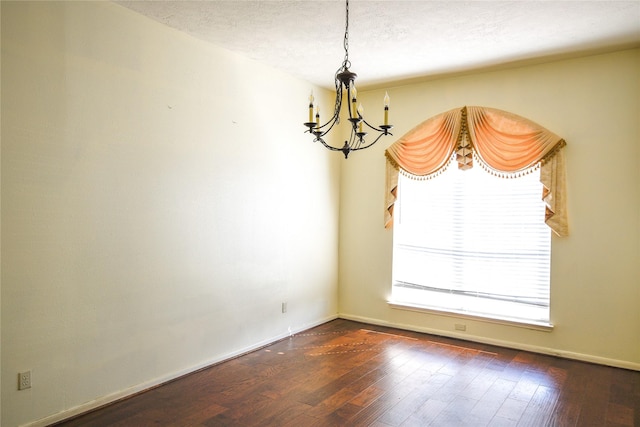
{"points": [[345, 80]]}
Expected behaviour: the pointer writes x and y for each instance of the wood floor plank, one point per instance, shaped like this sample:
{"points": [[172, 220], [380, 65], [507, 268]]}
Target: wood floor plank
{"points": [[596, 396], [411, 403], [427, 413], [346, 394], [456, 412], [540, 408], [345, 373], [367, 396]]}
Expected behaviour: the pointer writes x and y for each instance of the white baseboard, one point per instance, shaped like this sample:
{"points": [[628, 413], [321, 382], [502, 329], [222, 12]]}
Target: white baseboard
{"points": [[484, 340], [113, 397]]}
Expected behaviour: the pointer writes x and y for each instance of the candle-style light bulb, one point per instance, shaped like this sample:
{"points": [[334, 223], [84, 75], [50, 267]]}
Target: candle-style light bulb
{"points": [[318, 118], [387, 101], [354, 95], [361, 115], [311, 107]]}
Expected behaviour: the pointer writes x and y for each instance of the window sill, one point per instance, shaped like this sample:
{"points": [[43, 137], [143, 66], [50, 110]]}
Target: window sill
{"points": [[537, 326]]}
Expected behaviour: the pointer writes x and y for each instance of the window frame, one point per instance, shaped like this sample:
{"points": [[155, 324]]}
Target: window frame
{"points": [[396, 303]]}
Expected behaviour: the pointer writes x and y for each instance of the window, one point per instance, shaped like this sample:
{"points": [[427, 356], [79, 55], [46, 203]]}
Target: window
{"points": [[473, 243]]}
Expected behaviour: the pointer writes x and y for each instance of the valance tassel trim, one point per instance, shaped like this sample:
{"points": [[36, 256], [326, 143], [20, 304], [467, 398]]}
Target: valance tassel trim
{"points": [[502, 143]]}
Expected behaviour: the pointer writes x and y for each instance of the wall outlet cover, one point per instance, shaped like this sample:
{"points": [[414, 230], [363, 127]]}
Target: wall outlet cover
{"points": [[24, 380]]}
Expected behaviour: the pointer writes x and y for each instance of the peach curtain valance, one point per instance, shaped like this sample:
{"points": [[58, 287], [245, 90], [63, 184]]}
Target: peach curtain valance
{"points": [[502, 142]]}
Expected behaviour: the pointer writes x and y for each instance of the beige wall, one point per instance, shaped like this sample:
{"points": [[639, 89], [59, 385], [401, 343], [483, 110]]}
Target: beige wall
{"points": [[152, 219], [592, 102]]}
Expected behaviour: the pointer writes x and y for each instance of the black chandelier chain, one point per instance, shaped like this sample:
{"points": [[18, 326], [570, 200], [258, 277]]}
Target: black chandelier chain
{"points": [[345, 43], [345, 66]]}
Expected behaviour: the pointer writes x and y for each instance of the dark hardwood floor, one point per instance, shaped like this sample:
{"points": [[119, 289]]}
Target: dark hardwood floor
{"points": [[345, 373]]}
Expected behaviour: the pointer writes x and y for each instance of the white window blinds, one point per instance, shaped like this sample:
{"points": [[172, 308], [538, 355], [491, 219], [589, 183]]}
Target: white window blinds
{"points": [[471, 242]]}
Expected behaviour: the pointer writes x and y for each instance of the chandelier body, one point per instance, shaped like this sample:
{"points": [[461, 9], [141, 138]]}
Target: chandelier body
{"points": [[345, 83]]}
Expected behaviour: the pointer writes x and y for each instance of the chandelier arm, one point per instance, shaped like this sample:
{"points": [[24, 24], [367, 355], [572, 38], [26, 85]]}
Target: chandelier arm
{"points": [[370, 144], [379, 129], [353, 141], [335, 119], [359, 141], [338, 104], [330, 147], [336, 113], [359, 137]]}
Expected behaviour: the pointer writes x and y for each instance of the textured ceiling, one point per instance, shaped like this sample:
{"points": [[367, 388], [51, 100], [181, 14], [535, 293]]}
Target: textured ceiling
{"points": [[397, 40]]}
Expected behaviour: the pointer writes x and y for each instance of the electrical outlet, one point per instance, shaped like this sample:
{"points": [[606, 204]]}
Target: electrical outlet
{"points": [[284, 307], [24, 380], [460, 327]]}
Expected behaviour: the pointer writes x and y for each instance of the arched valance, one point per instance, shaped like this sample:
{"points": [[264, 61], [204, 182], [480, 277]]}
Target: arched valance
{"points": [[501, 142]]}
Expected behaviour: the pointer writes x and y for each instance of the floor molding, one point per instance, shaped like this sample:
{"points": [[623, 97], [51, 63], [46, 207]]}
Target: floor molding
{"points": [[515, 345], [346, 373], [157, 382]]}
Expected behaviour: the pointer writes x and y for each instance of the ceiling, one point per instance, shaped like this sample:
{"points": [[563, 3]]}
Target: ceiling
{"points": [[396, 41]]}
